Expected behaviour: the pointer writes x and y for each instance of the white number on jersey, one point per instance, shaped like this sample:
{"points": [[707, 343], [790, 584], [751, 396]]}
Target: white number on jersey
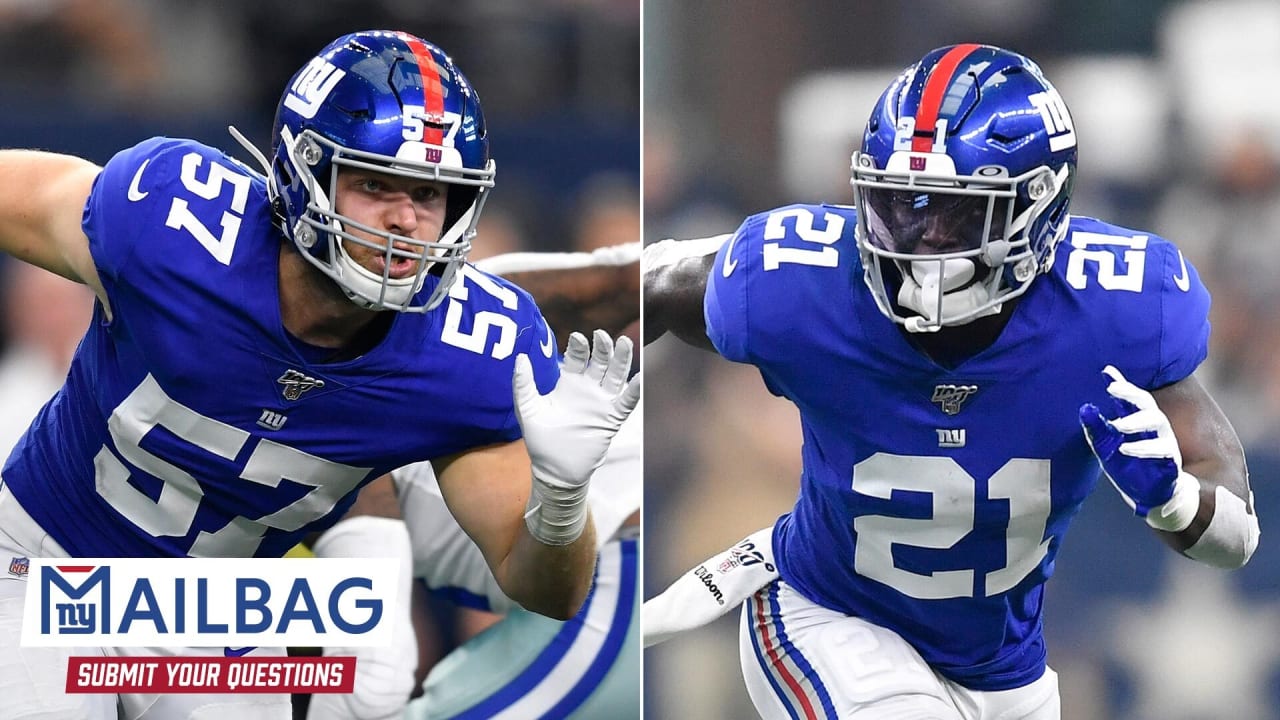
{"points": [[174, 510], [485, 322], [775, 254], [1085, 246], [181, 217], [951, 490]]}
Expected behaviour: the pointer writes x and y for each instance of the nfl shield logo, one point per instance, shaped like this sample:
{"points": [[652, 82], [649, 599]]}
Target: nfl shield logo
{"points": [[19, 566]]}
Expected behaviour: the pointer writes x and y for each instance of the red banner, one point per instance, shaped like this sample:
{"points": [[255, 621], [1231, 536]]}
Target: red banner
{"points": [[211, 674]]}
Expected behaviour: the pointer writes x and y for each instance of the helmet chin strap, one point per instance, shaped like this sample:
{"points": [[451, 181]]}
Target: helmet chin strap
{"points": [[361, 285], [942, 289]]}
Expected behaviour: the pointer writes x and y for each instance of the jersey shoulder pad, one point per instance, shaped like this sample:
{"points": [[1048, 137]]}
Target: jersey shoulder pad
{"points": [[175, 194], [1144, 291], [489, 316], [774, 265]]}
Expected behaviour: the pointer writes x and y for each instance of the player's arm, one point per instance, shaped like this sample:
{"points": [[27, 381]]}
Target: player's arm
{"points": [[524, 503], [1211, 453], [1177, 461], [675, 283], [598, 289], [42, 201], [487, 490]]}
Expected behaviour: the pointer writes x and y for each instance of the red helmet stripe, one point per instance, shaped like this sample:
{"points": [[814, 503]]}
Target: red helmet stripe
{"points": [[935, 89], [432, 89]]}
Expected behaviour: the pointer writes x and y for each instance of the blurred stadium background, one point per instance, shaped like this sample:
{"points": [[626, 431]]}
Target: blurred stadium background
{"points": [[753, 104], [558, 81]]}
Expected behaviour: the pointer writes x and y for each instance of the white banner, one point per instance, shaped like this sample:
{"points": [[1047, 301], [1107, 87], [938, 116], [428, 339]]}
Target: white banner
{"points": [[210, 602]]}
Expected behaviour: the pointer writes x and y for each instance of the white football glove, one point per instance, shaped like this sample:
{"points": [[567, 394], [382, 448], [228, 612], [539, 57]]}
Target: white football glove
{"points": [[1140, 455], [568, 430], [712, 588]]}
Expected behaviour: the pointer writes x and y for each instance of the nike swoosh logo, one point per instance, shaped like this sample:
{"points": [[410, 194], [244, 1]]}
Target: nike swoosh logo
{"points": [[238, 652], [548, 345], [729, 261], [1181, 279], [134, 193]]}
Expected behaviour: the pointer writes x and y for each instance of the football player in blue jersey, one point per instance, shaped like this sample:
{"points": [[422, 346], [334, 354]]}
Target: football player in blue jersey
{"points": [[242, 377], [964, 354]]}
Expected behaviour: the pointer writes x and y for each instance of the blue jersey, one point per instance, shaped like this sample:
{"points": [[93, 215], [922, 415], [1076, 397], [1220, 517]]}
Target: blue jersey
{"points": [[191, 423], [933, 500]]}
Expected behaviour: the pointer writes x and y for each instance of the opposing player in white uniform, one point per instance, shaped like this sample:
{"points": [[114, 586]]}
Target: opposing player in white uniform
{"points": [[964, 354], [527, 665], [242, 379]]}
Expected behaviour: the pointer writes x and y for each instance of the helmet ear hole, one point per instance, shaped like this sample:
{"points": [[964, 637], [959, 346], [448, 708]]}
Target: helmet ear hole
{"points": [[456, 204]]}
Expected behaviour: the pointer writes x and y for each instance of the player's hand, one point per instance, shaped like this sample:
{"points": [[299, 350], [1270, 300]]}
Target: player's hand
{"points": [[1140, 455], [568, 430]]}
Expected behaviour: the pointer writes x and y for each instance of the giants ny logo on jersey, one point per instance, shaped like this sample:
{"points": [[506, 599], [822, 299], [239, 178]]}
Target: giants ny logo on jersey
{"points": [[209, 602], [313, 85], [271, 420], [951, 397], [296, 383]]}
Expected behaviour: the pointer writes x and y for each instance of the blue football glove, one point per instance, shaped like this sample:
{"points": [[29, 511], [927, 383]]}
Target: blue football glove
{"points": [[1140, 455]]}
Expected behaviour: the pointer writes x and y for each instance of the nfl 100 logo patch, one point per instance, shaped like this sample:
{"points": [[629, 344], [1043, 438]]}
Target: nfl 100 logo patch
{"points": [[950, 398], [744, 554]]}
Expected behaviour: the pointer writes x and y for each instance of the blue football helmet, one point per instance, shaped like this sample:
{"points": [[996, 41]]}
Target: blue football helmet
{"points": [[962, 185], [393, 103]]}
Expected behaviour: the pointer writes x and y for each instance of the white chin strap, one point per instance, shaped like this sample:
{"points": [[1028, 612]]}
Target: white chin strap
{"points": [[942, 289], [361, 284]]}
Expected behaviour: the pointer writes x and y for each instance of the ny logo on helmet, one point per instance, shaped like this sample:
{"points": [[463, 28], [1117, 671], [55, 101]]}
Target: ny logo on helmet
{"points": [[1057, 121], [951, 397], [312, 87], [295, 383]]}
